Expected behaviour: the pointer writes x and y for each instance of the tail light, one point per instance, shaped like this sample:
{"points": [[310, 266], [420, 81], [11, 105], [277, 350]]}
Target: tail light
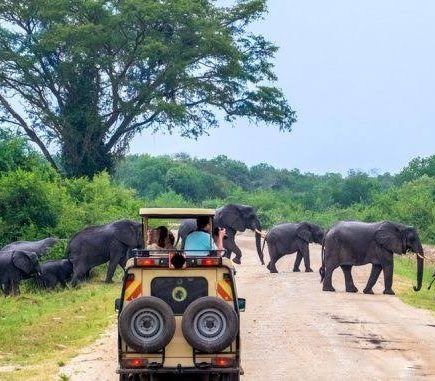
{"points": [[134, 363], [209, 262], [222, 362]]}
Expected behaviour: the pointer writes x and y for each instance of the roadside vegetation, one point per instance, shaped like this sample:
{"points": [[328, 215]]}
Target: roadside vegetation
{"points": [[40, 331], [44, 329], [404, 269]]}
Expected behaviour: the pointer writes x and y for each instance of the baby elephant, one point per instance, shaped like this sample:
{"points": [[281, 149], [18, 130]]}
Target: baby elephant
{"points": [[54, 273], [16, 265], [292, 238]]}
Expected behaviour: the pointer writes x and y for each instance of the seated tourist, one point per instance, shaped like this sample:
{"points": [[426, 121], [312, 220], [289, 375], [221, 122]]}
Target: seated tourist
{"points": [[200, 240], [160, 238]]}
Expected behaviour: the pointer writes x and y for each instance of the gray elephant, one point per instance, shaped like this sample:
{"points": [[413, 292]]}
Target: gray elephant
{"points": [[234, 218], [96, 245], [291, 238], [352, 243], [38, 247], [54, 273], [16, 265]]}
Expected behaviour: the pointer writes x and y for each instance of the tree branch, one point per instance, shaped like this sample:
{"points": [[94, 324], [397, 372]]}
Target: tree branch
{"points": [[29, 131]]}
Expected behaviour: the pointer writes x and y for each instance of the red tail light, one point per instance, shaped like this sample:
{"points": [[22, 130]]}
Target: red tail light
{"points": [[222, 362], [134, 363], [209, 261], [147, 262]]}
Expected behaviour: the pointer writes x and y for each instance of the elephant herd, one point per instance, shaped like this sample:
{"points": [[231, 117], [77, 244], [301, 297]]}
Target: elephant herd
{"points": [[347, 244], [344, 245], [88, 248]]}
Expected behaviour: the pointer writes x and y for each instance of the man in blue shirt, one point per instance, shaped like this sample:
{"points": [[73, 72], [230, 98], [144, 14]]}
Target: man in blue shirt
{"points": [[201, 239]]}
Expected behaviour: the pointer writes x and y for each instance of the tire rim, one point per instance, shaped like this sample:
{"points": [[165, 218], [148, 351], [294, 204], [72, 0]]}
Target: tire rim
{"points": [[146, 324], [210, 324]]}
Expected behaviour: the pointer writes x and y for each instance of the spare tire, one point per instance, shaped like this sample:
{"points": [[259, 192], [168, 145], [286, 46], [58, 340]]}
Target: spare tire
{"points": [[147, 324], [210, 324]]}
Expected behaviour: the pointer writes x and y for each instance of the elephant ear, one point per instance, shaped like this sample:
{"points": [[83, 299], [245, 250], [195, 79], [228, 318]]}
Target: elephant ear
{"points": [[304, 233], [391, 238], [233, 216], [23, 261]]}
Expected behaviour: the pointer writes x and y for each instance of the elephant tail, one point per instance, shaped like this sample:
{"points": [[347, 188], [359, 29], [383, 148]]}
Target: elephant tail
{"points": [[178, 238], [322, 268], [431, 283]]}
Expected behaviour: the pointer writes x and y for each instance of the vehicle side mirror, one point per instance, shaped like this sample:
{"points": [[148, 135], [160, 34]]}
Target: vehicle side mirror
{"points": [[117, 304], [242, 304]]}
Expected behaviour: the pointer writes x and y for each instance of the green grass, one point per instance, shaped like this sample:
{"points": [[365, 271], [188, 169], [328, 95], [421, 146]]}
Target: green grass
{"points": [[40, 331], [405, 270]]}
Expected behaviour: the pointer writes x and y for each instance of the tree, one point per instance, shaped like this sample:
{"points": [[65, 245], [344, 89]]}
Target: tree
{"points": [[416, 168], [15, 152], [87, 75]]}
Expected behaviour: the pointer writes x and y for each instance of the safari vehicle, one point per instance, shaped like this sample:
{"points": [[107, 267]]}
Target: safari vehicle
{"points": [[178, 315]]}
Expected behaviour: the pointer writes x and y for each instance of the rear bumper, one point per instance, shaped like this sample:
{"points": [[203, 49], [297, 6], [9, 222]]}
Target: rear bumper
{"points": [[179, 370]]}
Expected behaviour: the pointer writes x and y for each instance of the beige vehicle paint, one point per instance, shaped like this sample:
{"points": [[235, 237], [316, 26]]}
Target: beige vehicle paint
{"points": [[142, 271]]}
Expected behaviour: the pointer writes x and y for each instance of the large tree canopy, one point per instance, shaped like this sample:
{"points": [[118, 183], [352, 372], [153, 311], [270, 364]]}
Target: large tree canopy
{"points": [[84, 76]]}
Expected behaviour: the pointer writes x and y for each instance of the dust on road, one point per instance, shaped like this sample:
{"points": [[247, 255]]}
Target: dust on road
{"points": [[293, 330]]}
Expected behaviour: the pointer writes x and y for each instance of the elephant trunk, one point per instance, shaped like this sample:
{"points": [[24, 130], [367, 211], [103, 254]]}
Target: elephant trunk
{"points": [[322, 267], [258, 245], [420, 265]]}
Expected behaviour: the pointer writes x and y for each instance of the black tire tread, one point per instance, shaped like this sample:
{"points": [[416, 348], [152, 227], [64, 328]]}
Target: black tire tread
{"points": [[210, 302], [168, 321]]}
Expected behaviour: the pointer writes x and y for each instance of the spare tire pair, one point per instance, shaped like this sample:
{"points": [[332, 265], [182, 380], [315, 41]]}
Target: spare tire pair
{"points": [[147, 324]]}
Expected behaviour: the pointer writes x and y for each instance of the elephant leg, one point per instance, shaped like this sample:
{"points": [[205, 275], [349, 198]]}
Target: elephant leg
{"points": [[79, 273], [327, 281], [227, 253], [374, 275], [15, 287], [231, 247], [6, 287], [238, 253], [305, 252], [111, 270], [273, 258], [123, 262], [348, 280], [388, 278], [298, 261]]}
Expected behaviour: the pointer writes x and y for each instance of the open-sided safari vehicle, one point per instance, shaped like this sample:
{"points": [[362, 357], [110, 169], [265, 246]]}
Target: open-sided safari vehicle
{"points": [[178, 315]]}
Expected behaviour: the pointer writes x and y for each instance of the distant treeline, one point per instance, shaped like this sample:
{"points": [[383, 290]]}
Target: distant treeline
{"points": [[289, 195], [35, 201]]}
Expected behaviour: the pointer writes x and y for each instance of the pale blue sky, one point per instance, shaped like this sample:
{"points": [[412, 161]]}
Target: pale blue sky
{"points": [[361, 76]]}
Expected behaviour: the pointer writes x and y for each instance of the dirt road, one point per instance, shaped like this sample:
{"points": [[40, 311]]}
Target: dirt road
{"points": [[293, 330]]}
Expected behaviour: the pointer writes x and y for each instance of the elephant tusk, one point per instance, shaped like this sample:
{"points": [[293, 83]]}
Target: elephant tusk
{"points": [[260, 232], [422, 256]]}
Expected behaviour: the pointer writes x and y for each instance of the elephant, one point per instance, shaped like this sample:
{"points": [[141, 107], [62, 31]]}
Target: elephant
{"points": [[96, 245], [291, 238], [38, 247], [55, 272], [234, 218], [16, 265], [352, 243]]}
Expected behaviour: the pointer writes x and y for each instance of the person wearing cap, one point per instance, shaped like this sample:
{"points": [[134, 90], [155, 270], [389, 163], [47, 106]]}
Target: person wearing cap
{"points": [[200, 241]]}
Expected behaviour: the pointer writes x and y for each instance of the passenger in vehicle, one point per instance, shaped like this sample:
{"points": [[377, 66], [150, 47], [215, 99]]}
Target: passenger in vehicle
{"points": [[160, 238], [199, 242]]}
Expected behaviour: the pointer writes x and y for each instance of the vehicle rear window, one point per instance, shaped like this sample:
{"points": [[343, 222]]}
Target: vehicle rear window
{"points": [[179, 292]]}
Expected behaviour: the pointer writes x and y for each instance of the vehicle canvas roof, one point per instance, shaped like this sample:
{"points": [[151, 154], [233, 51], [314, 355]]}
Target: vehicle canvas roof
{"points": [[176, 212]]}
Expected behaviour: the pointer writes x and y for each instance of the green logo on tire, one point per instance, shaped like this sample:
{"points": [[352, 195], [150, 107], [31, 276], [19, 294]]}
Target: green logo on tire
{"points": [[179, 294]]}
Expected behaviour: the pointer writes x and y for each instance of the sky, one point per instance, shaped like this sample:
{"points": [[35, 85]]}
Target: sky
{"points": [[360, 75]]}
